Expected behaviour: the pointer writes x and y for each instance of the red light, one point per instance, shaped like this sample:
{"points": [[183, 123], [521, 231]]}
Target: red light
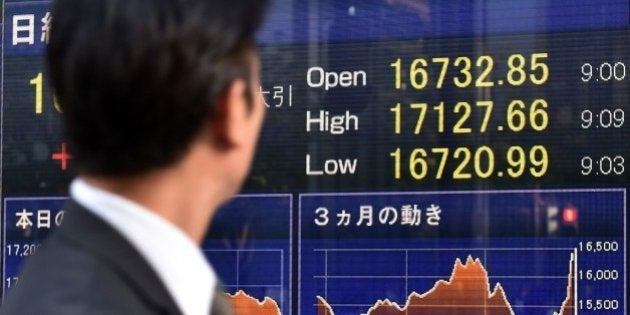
{"points": [[569, 215]]}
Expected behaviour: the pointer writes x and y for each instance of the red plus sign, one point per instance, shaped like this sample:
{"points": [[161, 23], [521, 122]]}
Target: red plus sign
{"points": [[63, 156]]}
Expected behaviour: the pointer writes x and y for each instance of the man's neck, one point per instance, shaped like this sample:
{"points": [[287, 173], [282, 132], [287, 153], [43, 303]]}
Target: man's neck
{"points": [[171, 194]]}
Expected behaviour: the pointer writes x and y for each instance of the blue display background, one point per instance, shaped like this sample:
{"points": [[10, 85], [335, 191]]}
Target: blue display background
{"points": [[296, 22], [532, 264], [36, 8], [249, 245], [300, 22], [18, 238], [257, 262], [257, 259]]}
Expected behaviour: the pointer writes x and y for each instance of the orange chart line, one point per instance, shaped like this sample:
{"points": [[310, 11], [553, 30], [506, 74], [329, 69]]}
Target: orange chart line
{"points": [[245, 304], [467, 292]]}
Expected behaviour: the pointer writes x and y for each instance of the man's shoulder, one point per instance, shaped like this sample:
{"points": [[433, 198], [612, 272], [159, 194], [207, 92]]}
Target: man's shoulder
{"points": [[66, 279], [86, 267]]}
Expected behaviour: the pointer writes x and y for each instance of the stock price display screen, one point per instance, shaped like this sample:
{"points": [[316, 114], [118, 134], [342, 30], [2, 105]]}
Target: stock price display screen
{"points": [[418, 157]]}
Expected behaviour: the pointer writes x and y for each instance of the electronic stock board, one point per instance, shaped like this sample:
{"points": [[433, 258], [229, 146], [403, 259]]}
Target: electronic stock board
{"points": [[418, 157]]}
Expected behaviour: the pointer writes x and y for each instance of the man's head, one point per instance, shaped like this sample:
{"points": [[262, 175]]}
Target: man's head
{"points": [[140, 80]]}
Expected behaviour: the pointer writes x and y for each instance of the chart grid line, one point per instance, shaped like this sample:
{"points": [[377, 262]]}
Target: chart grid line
{"points": [[575, 282], [442, 249], [433, 277], [239, 286], [442, 306], [326, 273], [406, 271]]}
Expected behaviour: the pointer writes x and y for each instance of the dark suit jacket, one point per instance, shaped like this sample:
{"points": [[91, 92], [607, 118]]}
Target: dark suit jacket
{"points": [[86, 267]]}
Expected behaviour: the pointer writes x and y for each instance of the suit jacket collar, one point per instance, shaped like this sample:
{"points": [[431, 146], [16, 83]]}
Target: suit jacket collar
{"points": [[84, 229]]}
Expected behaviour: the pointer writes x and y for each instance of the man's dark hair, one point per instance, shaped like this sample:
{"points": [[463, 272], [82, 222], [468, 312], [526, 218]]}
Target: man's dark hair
{"points": [[137, 79]]}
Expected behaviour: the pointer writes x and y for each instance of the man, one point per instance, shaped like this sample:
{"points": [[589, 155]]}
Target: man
{"points": [[161, 111]]}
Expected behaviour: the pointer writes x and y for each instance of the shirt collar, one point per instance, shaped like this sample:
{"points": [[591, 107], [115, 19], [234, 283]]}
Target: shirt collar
{"points": [[177, 260]]}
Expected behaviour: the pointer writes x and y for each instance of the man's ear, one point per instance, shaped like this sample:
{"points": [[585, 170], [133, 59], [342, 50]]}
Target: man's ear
{"points": [[230, 124]]}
